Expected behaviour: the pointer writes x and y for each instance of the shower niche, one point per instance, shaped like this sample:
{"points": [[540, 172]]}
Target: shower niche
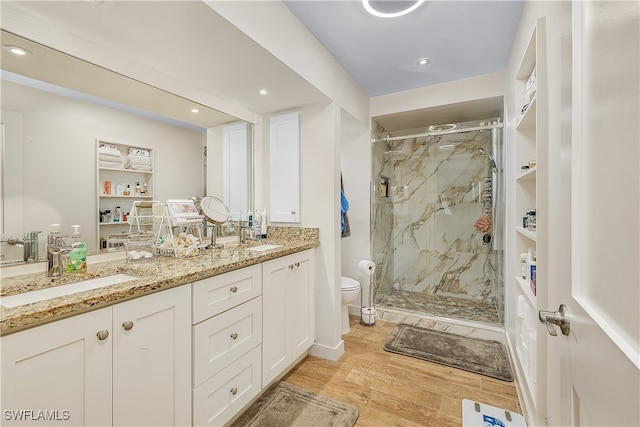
{"points": [[434, 210]]}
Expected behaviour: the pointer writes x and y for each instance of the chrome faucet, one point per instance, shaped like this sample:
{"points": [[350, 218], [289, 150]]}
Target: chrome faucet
{"points": [[29, 245], [56, 248]]}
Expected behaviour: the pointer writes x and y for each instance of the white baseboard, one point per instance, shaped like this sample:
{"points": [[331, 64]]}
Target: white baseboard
{"points": [[326, 352]]}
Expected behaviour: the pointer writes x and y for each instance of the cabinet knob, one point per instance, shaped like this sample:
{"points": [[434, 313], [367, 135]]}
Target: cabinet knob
{"points": [[127, 326], [297, 264], [234, 289], [234, 391], [291, 266], [102, 335], [234, 335], [293, 212]]}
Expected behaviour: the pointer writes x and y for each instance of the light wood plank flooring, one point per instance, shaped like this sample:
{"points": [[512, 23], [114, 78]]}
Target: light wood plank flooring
{"points": [[394, 390]]}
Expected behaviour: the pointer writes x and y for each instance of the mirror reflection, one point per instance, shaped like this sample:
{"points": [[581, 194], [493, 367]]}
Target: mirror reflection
{"points": [[57, 109]]}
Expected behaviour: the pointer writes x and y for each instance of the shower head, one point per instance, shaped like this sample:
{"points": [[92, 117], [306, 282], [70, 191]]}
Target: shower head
{"points": [[494, 167]]}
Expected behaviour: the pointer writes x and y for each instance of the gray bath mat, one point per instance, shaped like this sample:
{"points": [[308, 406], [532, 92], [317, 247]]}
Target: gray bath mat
{"points": [[284, 405], [471, 354]]}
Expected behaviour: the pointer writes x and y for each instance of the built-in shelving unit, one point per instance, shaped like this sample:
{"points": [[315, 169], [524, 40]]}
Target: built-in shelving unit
{"points": [[528, 341], [134, 171]]}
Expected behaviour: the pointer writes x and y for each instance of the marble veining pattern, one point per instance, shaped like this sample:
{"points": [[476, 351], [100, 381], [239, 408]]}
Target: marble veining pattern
{"points": [[424, 240], [158, 274]]}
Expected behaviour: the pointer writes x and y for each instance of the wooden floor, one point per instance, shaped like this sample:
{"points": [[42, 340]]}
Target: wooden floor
{"points": [[394, 390]]}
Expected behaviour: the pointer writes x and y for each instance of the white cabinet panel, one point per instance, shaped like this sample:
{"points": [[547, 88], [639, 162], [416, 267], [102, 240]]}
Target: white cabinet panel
{"points": [[284, 155], [151, 359], [222, 339], [62, 367], [221, 397], [219, 293]]}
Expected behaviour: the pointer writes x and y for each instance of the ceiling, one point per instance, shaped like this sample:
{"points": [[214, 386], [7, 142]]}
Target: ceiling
{"points": [[461, 38]]}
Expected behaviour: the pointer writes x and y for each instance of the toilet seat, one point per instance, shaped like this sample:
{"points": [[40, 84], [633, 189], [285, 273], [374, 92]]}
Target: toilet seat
{"points": [[348, 284]]}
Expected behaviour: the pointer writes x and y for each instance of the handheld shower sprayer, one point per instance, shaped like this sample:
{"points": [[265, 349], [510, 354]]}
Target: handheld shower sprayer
{"points": [[494, 167]]}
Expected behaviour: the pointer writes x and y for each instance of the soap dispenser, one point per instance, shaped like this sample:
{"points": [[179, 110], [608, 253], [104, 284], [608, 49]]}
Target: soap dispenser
{"points": [[78, 255]]}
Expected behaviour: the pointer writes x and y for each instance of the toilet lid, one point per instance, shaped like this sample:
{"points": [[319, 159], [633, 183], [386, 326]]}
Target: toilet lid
{"points": [[348, 284]]}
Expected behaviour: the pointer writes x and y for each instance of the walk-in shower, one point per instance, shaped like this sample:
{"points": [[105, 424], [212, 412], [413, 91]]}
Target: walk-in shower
{"points": [[437, 210]]}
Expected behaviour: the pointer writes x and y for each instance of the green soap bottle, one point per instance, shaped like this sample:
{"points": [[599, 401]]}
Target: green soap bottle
{"points": [[78, 255]]}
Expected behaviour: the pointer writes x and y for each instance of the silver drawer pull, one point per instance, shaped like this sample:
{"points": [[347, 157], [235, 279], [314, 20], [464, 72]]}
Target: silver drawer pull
{"points": [[234, 391], [291, 266], [102, 335], [234, 336], [297, 264], [127, 326], [234, 289]]}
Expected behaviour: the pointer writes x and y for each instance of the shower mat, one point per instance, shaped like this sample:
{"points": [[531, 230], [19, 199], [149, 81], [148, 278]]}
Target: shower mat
{"points": [[471, 354]]}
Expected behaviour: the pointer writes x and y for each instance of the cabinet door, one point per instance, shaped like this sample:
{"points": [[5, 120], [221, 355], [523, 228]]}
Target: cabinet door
{"points": [[60, 371], [152, 359], [300, 305], [284, 155], [275, 275]]}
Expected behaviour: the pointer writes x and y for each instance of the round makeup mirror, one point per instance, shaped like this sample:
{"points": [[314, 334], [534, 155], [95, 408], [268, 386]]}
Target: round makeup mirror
{"points": [[215, 212]]}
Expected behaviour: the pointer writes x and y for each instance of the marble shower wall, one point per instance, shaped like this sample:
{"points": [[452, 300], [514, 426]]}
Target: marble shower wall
{"points": [[423, 233]]}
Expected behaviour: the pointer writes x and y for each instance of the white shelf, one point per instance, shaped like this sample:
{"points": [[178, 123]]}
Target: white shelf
{"points": [[525, 288], [531, 235], [528, 174], [111, 196], [125, 170], [528, 119]]}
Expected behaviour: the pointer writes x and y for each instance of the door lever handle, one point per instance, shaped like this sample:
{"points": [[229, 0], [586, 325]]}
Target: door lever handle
{"points": [[558, 318]]}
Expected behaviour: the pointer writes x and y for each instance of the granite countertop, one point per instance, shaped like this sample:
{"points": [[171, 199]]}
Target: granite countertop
{"points": [[153, 275]]}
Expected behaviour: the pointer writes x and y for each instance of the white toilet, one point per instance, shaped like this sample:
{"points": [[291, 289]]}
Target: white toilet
{"points": [[350, 291]]}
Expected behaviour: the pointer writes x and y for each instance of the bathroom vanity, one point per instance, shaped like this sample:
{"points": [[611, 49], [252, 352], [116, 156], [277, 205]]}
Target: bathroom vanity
{"points": [[189, 341]]}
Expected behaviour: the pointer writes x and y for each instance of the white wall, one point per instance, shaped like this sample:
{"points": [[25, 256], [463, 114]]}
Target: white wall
{"points": [[558, 16], [473, 88], [355, 164], [59, 152]]}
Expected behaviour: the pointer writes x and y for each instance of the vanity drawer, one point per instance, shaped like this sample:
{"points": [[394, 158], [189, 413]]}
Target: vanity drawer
{"points": [[223, 396], [219, 341], [219, 293]]}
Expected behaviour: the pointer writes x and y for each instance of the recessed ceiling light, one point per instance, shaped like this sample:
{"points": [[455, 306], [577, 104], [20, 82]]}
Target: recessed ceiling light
{"points": [[390, 9], [263, 91], [16, 50], [423, 61], [195, 110]]}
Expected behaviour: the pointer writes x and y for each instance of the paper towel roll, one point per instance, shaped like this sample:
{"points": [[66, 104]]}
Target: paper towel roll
{"points": [[367, 267]]}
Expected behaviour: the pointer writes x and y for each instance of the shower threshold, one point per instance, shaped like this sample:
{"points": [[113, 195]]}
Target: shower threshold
{"points": [[442, 306]]}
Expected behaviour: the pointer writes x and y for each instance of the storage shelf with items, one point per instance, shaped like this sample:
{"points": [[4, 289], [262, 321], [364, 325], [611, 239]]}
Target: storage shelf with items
{"points": [[124, 175], [528, 254], [179, 231]]}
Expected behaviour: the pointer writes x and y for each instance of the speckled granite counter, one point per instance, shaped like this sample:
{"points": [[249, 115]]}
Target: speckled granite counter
{"points": [[155, 275]]}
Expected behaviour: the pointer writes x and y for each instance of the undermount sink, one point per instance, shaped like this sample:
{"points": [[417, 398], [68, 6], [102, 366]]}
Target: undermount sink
{"points": [[263, 247], [59, 291]]}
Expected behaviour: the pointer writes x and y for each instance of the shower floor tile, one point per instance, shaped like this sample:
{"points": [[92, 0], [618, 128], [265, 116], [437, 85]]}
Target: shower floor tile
{"points": [[443, 306]]}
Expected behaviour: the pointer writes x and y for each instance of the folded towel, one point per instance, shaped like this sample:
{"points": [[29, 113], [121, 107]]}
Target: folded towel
{"points": [[139, 160], [138, 152], [109, 158], [108, 150], [139, 167], [115, 165]]}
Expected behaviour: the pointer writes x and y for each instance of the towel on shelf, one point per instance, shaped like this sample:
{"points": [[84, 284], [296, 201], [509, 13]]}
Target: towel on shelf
{"points": [[141, 152], [139, 160], [110, 158], [107, 164], [344, 207], [108, 150], [146, 168]]}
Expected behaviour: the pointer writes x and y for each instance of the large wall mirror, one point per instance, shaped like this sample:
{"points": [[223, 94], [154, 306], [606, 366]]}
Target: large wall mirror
{"points": [[55, 107]]}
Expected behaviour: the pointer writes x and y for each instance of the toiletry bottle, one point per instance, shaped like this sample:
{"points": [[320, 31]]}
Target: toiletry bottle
{"points": [[127, 191], [145, 189], [138, 189], [78, 255], [263, 224], [117, 215], [250, 219], [118, 189], [256, 226], [107, 188]]}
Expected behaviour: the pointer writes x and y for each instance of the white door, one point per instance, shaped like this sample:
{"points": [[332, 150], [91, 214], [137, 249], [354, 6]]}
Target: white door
{"points": [[599, 359]]}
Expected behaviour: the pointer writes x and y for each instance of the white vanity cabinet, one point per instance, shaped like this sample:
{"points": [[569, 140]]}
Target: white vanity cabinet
{"points": [[63, 368], [227, 337], [121, 365], [288, 307]]}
